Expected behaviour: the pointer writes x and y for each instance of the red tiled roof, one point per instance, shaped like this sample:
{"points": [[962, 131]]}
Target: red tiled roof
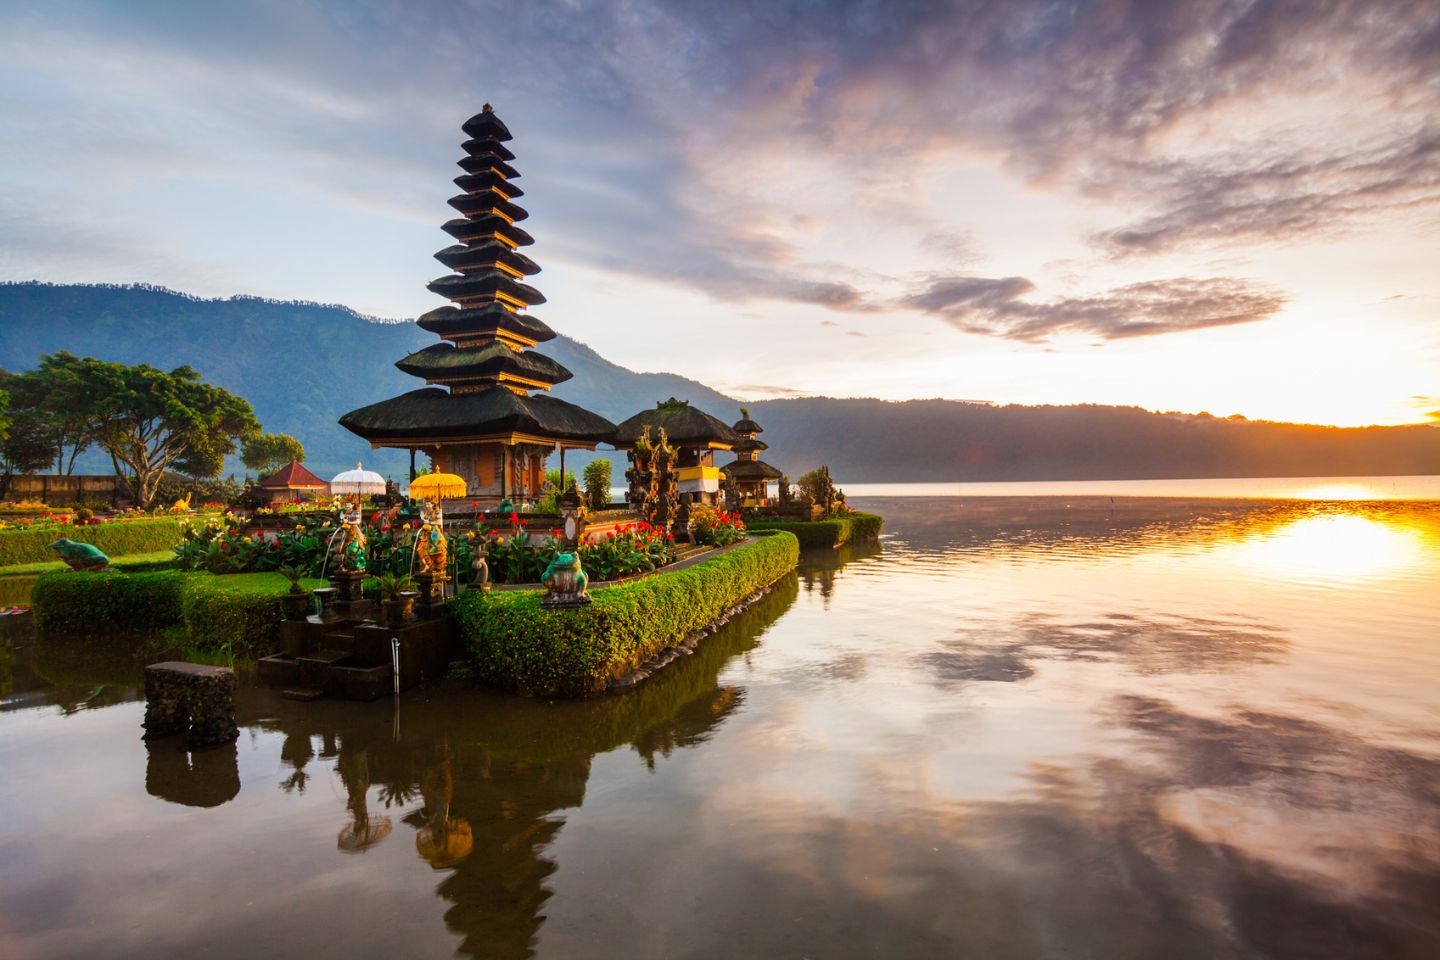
{"points": [[293, 476]]}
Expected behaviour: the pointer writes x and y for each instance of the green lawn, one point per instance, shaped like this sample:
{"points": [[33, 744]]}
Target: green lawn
{"points": [[261, 584]]}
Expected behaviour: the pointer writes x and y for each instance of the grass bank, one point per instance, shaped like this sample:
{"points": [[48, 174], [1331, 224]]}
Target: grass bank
{"points": [[517, 645], [836, 532], [115, 539]]}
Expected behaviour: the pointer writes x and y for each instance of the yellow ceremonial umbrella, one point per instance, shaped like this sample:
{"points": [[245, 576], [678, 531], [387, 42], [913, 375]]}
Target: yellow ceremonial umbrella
{"points": [[436, 486]]}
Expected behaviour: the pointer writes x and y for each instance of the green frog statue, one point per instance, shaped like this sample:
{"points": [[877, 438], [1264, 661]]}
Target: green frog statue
{"points": [[80, 556], [565, 582]]}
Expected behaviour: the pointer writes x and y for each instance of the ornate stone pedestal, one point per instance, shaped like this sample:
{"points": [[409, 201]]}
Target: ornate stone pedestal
{"points": [[326, 596], [431, 602], [350, 603], [190, 698]]}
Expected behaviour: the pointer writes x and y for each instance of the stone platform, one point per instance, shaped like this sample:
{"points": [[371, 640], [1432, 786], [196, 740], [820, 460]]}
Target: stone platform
{"points": [[349, 658]]}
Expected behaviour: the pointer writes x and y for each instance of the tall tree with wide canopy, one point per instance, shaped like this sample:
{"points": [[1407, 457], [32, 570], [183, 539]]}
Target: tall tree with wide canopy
{"points": [[267, 452], [44, 411], [151, 421]]}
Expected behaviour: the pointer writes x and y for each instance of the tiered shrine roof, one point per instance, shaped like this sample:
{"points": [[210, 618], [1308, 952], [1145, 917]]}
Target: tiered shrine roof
{"points": [[488, 366]]}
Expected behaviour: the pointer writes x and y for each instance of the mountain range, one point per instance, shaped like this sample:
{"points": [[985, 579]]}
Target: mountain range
{"points": [[304, 364]]}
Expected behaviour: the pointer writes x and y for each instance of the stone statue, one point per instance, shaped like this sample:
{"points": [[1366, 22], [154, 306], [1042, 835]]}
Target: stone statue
{"points": [[81, 556], [430, 545], [565, 583], [479, 568], [354, 555]]}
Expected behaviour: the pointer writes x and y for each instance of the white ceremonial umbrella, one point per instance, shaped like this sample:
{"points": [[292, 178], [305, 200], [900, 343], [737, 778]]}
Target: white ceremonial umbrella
{"points": [[358, 481]]}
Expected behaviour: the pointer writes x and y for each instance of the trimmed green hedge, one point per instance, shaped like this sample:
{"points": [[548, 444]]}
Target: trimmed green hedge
{"points": [[836, 532], [518, 645], [83, 603], [116, 539], [237, 614]]}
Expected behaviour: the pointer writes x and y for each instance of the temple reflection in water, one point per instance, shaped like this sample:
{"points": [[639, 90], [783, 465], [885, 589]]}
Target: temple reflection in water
{"points": [[1180, 728]]}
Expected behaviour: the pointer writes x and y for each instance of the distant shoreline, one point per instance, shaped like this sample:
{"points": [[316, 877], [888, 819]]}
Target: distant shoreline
{"points": [[1424, 487]]}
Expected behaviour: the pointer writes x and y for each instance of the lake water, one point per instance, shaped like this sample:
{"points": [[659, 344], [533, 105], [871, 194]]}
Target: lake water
{"points": [[1017, 728]]}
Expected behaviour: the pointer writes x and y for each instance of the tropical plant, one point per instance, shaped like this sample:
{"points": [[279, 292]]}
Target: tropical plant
{"points": [[293, 573], [392, 585], [597, 484]]}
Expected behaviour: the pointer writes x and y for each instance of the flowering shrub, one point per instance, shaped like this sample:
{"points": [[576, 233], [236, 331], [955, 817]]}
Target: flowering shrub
{"points": [[517, 555], [35, 521], [219, 545], [717, 528], [629, 549], [514, 554]]}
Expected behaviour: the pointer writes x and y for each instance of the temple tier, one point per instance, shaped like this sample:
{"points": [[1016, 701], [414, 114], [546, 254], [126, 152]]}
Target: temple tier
{"points": [[478, 418]]}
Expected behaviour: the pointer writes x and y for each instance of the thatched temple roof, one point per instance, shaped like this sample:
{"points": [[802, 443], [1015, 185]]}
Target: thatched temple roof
{"points": [[750, 470], [446, 361], [434, 414], [684, 426]]}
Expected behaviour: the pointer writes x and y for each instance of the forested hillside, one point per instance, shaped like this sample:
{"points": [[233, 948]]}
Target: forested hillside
{"points": [[302, 365]]}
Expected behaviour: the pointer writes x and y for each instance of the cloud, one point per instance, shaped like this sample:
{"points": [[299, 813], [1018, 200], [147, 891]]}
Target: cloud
{"points": [[650, 128], [1238, 199], [753, 390], [997, 307]]}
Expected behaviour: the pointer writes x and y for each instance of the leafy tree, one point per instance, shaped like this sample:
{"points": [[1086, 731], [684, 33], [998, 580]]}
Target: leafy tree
{"points": [[24, 444], [819, 489], [268, 452], [597, 483], [151, 421], [26, 447], [52, 393]]}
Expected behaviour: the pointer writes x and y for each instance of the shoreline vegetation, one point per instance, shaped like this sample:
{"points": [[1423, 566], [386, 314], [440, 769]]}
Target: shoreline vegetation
{"points": [[829, 533], [515, 644]]}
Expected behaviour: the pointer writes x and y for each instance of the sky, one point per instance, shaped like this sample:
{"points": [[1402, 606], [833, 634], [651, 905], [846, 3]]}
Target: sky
{"points": [[1193, 205]]}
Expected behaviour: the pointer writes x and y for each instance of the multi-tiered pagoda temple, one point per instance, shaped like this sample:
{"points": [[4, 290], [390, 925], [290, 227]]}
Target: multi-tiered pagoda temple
{"points": [[480, 418], [748, 472]]}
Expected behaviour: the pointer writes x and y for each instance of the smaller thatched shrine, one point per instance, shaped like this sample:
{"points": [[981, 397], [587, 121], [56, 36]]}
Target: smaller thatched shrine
{"points": [[693, 433], [750, 475], [293, 482]]}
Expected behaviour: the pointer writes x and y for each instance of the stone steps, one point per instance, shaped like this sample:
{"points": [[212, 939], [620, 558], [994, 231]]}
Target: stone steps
{"points": [[351, 659]]}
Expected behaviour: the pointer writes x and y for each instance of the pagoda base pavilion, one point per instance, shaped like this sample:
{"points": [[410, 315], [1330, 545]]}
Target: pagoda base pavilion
{"points": [[497, 440]]}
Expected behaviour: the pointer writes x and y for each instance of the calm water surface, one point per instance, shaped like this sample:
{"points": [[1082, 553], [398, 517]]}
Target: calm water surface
{"points": [[1016, 728]]}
